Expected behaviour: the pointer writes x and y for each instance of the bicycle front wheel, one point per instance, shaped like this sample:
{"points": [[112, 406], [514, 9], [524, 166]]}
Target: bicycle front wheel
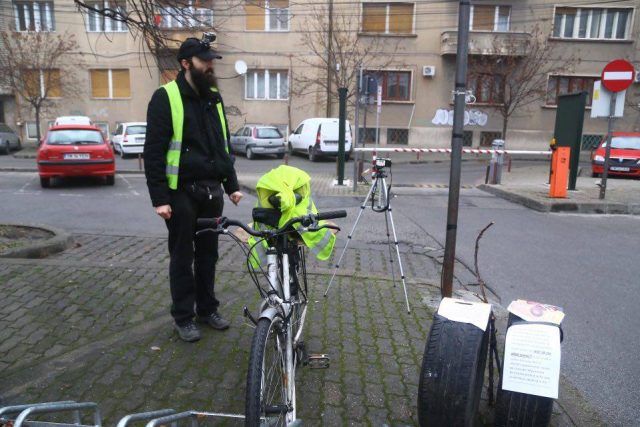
{"points": [[266, 398]]}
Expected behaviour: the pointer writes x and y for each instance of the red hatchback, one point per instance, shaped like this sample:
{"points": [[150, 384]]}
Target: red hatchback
{"points": [[75, 150], [624, 157]]}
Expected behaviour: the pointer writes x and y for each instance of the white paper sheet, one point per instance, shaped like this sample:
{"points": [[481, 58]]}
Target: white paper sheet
{"points": [[476, 313], [532, 360]]}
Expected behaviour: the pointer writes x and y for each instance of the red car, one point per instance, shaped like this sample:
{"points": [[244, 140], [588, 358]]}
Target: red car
{"points": [[624, 158], [75, 150]]}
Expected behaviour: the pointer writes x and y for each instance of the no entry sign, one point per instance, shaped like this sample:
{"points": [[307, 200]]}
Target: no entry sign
{"points": [[618, 75]]}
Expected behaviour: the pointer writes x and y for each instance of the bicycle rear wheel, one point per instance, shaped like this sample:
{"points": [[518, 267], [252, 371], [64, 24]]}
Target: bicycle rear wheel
{"points": [[266, 398]]}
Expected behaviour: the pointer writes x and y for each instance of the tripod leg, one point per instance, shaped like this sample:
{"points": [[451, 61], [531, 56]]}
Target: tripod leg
{"points": [[353, 229], [393, 270], [395, 241]]}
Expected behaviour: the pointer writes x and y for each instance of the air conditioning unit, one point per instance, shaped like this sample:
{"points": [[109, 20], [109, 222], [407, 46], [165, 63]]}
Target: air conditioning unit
{"points": [[429, 70]]}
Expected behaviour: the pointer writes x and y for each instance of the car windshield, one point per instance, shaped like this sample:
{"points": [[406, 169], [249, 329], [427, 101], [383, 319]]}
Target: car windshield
{"points": [[268, 133], [624, 142], [136, 130], [74, 136]]}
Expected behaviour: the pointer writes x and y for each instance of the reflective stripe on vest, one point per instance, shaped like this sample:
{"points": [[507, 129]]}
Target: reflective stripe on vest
{"points": [[177, 122]]}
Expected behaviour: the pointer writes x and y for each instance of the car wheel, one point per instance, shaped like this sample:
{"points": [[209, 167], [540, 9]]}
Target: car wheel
{"points": [[313, 157], [45, 182], [111, 179], [6, 147], [122, 155], [250, 154]]}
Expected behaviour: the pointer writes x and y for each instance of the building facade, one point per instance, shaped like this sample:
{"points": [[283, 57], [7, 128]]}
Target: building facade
{"points": [[409, 47]]}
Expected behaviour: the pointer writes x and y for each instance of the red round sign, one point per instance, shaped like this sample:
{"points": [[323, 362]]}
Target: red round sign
{"points": [[618, 75]]}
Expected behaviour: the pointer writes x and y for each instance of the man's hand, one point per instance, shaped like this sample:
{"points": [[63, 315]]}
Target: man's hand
{"points": [[235, 197], [164, 211]]}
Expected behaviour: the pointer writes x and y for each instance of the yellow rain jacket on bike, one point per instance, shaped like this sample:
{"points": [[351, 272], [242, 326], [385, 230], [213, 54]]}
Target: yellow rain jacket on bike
{"points": [[285, 181]]}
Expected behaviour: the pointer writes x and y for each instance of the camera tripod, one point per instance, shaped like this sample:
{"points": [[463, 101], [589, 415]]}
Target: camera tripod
{"points": [[380, 196]]}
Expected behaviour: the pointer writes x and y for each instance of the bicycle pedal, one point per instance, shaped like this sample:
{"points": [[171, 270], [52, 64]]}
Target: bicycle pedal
{"points": [[318, 361]]}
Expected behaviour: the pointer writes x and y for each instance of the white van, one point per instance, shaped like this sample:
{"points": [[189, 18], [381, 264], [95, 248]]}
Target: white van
{"points": [[319, 137], [72, 120]]}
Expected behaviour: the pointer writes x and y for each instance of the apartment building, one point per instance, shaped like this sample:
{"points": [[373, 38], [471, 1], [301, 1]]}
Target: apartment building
{"points": [[409, 47]]}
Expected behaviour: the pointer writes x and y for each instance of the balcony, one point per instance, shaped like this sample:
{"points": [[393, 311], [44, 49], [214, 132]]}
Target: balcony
{"points": [[487, 43]]}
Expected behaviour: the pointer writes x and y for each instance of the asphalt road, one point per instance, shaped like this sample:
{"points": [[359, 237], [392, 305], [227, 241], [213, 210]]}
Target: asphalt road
{"points": [[586, 264]]}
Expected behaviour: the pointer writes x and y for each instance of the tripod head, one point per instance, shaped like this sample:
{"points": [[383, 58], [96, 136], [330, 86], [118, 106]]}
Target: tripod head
{"points": [[379, 166]]}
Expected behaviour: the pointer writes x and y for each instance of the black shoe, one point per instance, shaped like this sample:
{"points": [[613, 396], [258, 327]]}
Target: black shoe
{"points": [[188, 332], [214, 320]]}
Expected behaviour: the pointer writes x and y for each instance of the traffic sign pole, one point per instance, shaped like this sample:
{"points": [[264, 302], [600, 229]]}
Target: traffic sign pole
{"points": [[607, 151]]}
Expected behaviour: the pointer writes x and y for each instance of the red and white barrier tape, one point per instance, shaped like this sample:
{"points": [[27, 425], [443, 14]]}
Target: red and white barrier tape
{"points": [[448, 150]]}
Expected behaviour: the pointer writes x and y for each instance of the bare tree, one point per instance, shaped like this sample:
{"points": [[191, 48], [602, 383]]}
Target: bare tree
{"points": [[337, 52], [35, 65], [515, 74]]}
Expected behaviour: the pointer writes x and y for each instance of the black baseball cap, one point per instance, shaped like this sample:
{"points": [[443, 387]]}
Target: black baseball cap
{"points": [[194, 47]]}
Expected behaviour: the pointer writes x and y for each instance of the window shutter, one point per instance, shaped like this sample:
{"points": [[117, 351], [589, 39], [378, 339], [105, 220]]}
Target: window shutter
{"points": [[255, 13], [483, 17], [374, 17], [100, 83], [31, 82], [120, 83], [52, 83], [401, 18]]}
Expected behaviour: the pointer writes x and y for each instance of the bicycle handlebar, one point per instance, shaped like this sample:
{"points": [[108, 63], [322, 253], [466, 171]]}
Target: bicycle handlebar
{"points": [[222, 223]]}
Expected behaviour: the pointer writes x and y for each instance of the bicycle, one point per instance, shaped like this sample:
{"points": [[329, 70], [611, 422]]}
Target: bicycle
{"points": [[277, 347]]}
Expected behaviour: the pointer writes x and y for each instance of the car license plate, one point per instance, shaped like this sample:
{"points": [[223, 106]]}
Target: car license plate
{"points": [[76, 156], [619, 169]]}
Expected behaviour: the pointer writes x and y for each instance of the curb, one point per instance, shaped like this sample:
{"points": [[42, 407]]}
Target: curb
{"points": [[60, 241], [516, 198]]}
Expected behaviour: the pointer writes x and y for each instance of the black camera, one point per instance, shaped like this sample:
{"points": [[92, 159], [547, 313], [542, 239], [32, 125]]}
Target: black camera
{"points": [[208, 38], [382, 163]]}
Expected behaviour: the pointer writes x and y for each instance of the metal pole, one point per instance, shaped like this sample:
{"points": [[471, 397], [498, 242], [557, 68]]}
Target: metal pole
{"points": [[356, 132], [456, 149], [329, 58], [342, 94], [607, 151]]}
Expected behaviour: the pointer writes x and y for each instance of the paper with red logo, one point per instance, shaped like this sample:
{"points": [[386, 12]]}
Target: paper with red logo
{"points": [[532, 311]]}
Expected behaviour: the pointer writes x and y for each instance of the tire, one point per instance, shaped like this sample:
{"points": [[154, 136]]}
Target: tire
{"points": [[45, 182], [452, 373], [519, 409], [6, 147], [313, 157], [122, 155], [111, 179], [250, 154], [264, 354]]}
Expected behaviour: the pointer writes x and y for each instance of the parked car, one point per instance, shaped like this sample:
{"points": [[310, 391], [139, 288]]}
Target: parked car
{"points": [[129, 138], [72, 120], [253, 140], [75, 150], [318, 137], [624, 157], [9, 140]]}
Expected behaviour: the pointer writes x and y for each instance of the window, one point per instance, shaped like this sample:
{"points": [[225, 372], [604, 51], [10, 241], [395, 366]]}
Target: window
{"points": [[34, 15], [467, 138], [189, 16], [387, 18], [490, 18], [267, 15], [396, 85], [267, 84], [42, 83], [486, 138], [32, 130], [110, 84], [397, 136], [96, 22], [592, 23], [367, 135], [487, 88], [561, 85]]}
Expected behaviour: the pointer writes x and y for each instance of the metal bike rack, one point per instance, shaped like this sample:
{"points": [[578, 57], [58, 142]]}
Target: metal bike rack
{"points": [[26, 411], [193, 416], [143, 416]]}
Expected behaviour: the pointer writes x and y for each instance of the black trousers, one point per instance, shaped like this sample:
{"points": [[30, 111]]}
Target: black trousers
{"points": [[192, 265]]}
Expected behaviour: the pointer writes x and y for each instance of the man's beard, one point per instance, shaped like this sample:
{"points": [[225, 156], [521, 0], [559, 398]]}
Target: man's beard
{"points": [[203, 81]]}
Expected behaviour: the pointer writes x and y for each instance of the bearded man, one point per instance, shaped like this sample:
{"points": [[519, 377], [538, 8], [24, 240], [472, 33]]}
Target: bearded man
{"points": [[187, 166]]}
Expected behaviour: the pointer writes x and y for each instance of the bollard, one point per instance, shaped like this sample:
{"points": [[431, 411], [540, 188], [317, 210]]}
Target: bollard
{"points": [[559, 172], [497, 160]]}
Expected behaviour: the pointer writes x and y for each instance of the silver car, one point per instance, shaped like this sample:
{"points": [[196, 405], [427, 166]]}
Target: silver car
{"points": [[253, 140], [8, 139]]}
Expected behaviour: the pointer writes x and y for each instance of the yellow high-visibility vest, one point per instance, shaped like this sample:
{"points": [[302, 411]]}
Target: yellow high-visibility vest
{"points": [[177, 121], [285, 181]]}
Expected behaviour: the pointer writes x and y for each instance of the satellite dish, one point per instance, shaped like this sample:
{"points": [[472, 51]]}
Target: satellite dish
{"points": [[241, 67]]}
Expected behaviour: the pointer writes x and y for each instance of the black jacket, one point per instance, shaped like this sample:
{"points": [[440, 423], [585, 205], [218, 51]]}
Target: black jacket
{"points": [[203, 156]]}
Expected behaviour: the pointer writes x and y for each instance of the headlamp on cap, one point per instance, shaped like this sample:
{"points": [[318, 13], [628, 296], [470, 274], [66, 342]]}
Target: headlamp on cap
{"points": [[208, 37]]}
